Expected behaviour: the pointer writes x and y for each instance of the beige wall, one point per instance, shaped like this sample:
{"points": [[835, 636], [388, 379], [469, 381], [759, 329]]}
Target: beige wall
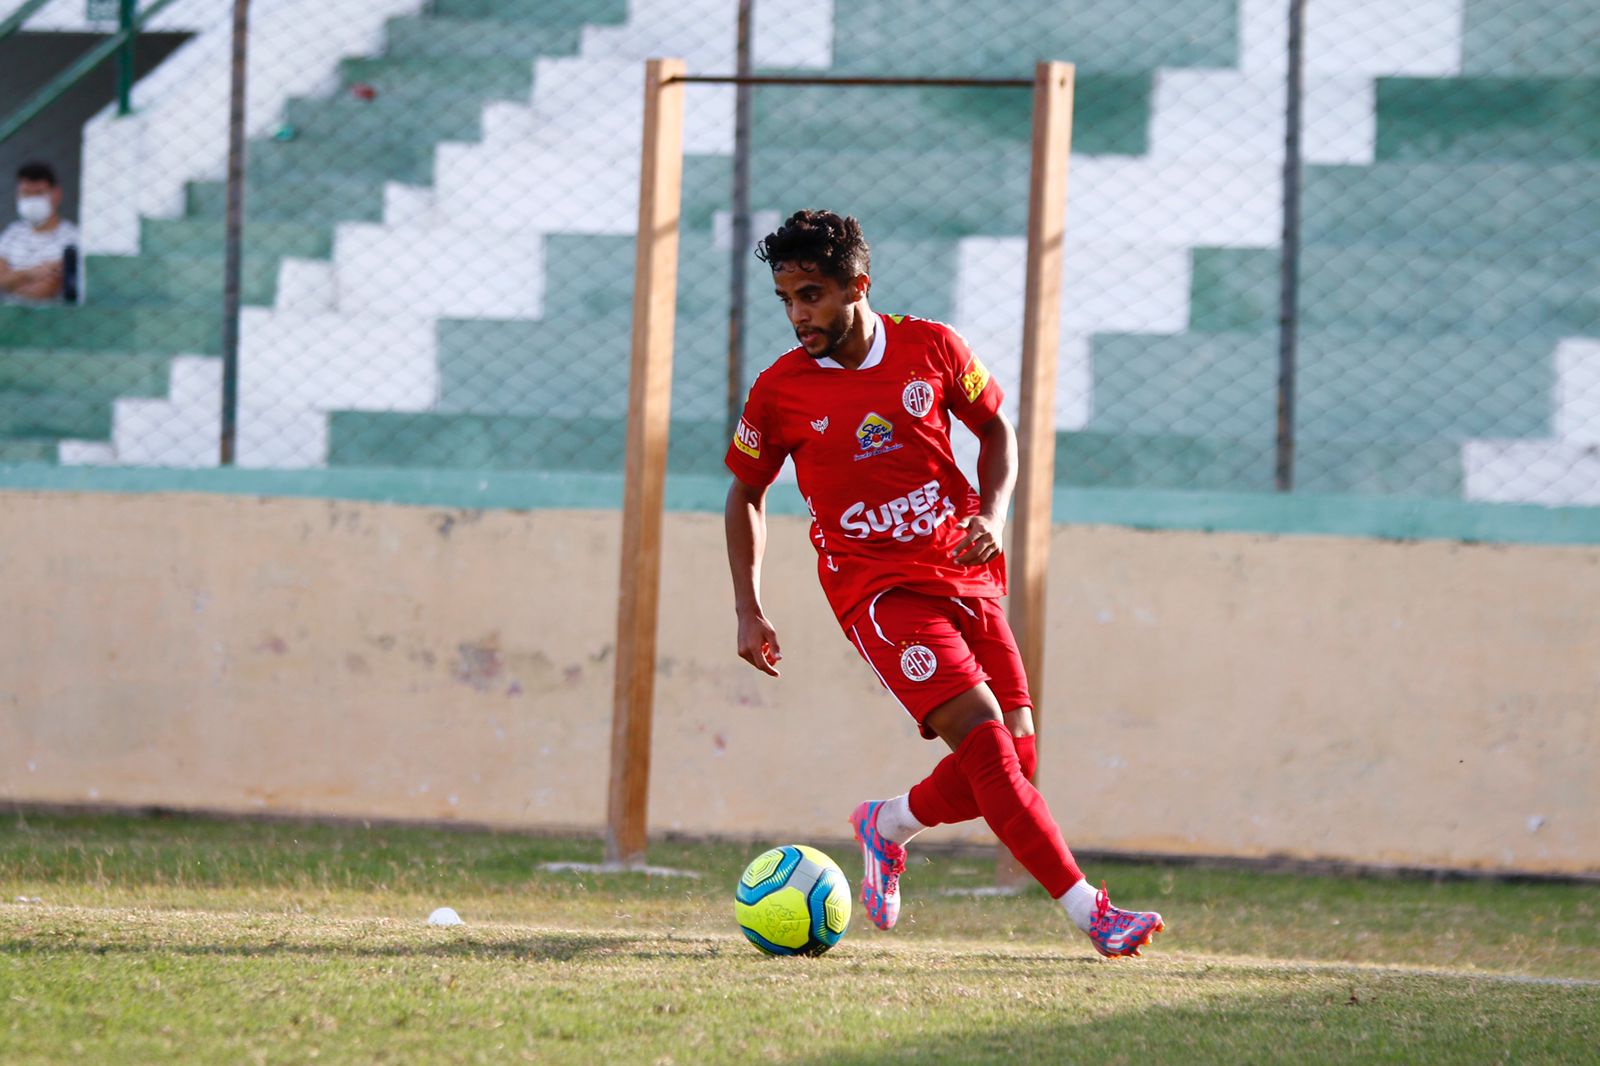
{"points": [[1252, 695]]}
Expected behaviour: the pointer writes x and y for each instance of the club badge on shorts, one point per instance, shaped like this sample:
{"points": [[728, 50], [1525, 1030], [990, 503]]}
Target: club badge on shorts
{"points": [[917, 398], [918, 663]]}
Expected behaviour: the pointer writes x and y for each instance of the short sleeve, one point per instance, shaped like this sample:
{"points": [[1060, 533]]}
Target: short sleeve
{"points": [[756, 454], [970, 391]]}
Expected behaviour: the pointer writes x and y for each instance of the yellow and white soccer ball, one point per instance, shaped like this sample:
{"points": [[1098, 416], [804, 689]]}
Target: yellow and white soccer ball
{"points": [[793, 900]]}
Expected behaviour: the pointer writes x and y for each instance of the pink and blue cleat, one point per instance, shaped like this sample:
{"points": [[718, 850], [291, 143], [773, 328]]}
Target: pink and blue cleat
{"points": [[884, 860], [1116, 932]]}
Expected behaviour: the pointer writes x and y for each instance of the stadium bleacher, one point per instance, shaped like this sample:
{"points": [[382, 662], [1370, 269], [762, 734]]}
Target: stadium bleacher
{"points": [[1447, 249]]}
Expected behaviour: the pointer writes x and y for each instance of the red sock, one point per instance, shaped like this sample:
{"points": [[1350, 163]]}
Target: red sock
{"points": [[1014, 809], [944, 797]]}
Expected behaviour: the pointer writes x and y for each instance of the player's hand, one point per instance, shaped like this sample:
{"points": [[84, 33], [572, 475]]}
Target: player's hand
{"points": [[758, 643], [982, 541]]}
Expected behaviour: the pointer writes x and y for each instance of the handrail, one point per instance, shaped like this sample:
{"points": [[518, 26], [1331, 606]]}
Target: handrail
{"points": [[14, 22], [76, 73]]}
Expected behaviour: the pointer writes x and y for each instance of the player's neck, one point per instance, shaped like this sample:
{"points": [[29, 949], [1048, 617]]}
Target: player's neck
{"points": [[852, 352]]}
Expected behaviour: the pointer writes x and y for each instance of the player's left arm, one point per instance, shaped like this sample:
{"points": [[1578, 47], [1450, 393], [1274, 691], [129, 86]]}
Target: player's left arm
{"points": [[997, 477]]}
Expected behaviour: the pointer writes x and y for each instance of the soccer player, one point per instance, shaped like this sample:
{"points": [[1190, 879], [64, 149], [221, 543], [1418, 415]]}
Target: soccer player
{"points": [[909, 555]]}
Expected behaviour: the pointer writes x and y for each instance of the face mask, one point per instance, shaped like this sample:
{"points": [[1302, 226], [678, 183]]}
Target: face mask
{"points": [[34, 210]]}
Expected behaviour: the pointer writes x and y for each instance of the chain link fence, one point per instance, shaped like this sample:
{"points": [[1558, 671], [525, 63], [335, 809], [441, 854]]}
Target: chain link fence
{"points": [[439, 200]]}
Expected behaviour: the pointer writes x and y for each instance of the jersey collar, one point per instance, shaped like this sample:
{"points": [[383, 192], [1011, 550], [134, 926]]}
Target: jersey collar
{"points": [[874, 350]]}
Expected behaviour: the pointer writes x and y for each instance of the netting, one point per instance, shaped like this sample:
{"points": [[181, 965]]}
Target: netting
{"points": [[440, 199]]}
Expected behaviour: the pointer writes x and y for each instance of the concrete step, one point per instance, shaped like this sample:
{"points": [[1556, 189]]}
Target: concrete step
{"points": [[102, 375]]}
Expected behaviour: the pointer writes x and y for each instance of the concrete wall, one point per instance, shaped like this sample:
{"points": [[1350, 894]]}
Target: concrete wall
{"points": [[1247, 694]]}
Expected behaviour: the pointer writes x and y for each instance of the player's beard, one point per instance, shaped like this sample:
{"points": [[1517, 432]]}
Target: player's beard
{"points": [[834, 335]]}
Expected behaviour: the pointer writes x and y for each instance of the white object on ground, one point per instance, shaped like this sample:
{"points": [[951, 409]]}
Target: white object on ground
{"points": [[445, 916]]}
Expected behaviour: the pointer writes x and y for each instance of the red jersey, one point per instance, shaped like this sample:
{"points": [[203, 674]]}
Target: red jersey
{"points": [[871, 450]]}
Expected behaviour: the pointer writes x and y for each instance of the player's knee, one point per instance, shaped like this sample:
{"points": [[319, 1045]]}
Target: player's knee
{"points": [[954, 719]]}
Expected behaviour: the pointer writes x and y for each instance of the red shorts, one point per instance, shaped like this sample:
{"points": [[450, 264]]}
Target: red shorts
{"points": [[929, 649]]}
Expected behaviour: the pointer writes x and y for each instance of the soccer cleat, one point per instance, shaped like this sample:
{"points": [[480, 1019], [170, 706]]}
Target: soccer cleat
{"points": [[1116, 932], [884, 860]]}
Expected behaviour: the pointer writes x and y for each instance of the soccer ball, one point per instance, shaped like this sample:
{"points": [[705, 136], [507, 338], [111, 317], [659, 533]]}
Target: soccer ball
{"points": [[793, 900]]}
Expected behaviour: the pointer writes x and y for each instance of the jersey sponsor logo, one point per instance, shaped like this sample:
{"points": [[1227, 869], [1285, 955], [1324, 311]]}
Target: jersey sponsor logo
{"points": [[747, 439], [916, 514], [876, 436], [918, 662], [917, 398], [820, 424], [974, 379]]}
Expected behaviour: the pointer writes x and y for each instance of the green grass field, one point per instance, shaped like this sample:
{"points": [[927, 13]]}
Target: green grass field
{"points": [[176, 939]]}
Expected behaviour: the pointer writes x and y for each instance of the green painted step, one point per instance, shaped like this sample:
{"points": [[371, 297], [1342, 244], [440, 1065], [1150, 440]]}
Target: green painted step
{"points": [[418, 81], [29, 450], [1543, 294], [53, 414], [278, 168], [488, 367], [446, 116], [899, 189], [413, 36], [1549, 120], [195, 281], [509, 442], [589, 12], [1004, 38], [1531, 37], [1350, 386], [102, 375], [1445, 206], [204, 236], [1111, 115], [929, 192], [576, 357], [159, 330], [594, 275], [1226, 464], [323, 200]]}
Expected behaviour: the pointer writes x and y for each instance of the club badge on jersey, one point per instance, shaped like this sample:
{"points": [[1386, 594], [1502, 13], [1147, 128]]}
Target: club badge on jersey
{"points": [[917, 398]]}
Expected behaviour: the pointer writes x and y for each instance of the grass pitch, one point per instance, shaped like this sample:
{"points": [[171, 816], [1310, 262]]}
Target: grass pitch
{"points": [[155, 940]]}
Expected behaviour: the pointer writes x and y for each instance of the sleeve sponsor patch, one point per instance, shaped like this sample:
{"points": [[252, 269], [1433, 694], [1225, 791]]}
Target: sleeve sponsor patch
{"points": [[974, 379], [747, 439]]}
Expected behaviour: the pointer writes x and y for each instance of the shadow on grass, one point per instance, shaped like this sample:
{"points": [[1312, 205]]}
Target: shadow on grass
{"points": [[553, 947], [1370, 1018]]}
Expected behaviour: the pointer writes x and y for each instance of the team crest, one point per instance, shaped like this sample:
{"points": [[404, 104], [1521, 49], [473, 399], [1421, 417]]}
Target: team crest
{"points": [[918, 663], [820, 424], [917, 398]]}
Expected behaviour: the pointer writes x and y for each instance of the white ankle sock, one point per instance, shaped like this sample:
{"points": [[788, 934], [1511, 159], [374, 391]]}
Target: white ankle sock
{"points": [[1079, 903], [895, 820]]}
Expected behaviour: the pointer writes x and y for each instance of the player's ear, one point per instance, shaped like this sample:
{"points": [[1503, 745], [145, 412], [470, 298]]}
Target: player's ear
{"points": [[860, 287]]}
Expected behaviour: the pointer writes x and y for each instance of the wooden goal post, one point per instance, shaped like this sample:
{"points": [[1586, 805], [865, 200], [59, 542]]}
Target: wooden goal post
{"points": [[649, 406]]}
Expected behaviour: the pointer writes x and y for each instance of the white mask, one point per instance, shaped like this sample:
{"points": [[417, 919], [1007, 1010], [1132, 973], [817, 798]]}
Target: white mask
{"points": [[35, 210]]}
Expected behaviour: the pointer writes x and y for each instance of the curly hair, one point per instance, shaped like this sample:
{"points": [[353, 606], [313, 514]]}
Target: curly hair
{"points": [[834, 245]]}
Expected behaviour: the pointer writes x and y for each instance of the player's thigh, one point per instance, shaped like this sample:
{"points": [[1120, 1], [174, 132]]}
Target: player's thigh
{"points": [[994, 645], [918, 650]]}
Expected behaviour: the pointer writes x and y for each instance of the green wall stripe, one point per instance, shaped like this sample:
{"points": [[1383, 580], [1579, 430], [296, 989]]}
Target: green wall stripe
{"points": [[1349, 516]]}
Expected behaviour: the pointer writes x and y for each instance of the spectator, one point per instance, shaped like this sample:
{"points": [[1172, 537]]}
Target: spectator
{"points": [[34, 258]]}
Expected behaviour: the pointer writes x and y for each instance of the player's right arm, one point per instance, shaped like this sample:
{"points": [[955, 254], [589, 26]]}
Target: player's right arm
{"points": [[755, 455], [745, 519]]}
